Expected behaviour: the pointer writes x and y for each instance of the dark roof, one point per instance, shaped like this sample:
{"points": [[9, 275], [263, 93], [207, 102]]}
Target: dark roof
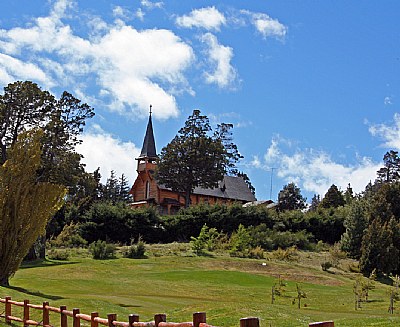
{"points": [[231, 187], [149, 145]]}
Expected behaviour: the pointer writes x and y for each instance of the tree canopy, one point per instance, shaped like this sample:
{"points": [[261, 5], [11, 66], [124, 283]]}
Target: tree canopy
{"points": [[196, 157], [290, 198]]}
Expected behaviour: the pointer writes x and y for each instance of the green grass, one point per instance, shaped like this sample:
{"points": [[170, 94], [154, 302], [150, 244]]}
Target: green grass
{"points": [[226, 288]]}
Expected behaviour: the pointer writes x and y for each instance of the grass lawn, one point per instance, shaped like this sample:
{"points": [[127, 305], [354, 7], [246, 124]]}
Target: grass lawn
{"points": [[226, 288]]}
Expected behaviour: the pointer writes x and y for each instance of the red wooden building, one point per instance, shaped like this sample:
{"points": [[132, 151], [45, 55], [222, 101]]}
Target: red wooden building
{"points": [[146, 191]]}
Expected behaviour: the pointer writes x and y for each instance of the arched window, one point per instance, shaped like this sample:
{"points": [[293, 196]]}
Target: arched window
{"points": [[147, 194]]}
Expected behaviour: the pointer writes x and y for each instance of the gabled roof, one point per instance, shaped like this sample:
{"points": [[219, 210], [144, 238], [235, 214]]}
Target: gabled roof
{"points": [[149, 145], [231, 187]]}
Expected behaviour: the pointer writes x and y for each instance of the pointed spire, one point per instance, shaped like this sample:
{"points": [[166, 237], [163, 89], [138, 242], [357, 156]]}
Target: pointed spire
{"points": [[149, 145]]}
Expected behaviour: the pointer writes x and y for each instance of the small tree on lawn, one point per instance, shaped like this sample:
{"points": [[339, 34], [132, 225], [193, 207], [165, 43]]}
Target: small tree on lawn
{"points": [[300, 295]]}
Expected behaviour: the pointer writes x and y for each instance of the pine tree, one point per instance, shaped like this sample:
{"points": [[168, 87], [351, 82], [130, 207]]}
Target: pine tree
{"points": [[333, 198], [391, 170], [123, 189], [315, 202], [290, 198], [193, 158]]}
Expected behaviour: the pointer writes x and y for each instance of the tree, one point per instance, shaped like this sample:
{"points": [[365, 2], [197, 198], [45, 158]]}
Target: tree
{"points": [[315, 201], [356, 222], [224, 134], [290, 198], [24, 106], [193, 158], [391, 170], [333, 198], [25, 203], [348, 195]]}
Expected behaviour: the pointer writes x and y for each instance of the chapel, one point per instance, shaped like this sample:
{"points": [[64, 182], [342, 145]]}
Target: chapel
{"points": [[146, 191]]}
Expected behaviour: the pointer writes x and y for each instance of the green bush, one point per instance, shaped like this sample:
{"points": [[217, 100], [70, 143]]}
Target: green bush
{"points": [[69, 237], [58, 254], [102, 250], [205, 241], [136, 251]]}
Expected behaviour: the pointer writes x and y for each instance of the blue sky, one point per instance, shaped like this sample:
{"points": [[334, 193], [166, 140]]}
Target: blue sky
{"points": [[312, 87]]}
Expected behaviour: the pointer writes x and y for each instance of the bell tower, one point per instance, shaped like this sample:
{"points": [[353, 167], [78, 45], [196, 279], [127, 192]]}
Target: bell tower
{"points": [[148, 156]]}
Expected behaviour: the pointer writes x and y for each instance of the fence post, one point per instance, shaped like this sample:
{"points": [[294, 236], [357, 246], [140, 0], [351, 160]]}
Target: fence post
{"points": [[76, 321], [198, 318], [63, 317], [8, 309], [111, 317], [322, 324], [26, 312], [94, 323], [46, 317], [249, 322], [133, 318], [161, 317]]}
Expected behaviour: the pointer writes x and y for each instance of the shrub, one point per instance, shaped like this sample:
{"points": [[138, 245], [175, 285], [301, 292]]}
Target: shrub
{"points": [[102, 250], [205, 241], [326, 265], [256, 253], [136, 251], [58, 254], [69, 237], [240, 242], [289, 254]]}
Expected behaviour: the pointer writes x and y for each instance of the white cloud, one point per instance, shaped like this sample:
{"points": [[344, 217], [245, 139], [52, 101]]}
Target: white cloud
{"points": [[389, 133], [387, 101], [125, 62], [12, 69], [208, 18], [101, 149], [315, 171], [152, 5], [222, 72], [264, 24]]}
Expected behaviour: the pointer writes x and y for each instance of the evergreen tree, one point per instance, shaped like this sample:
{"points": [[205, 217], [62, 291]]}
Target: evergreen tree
{"points": [[111, 189], [348, 195], [193, 158], [315, 201], [290, 198], [391, 170], [123, 189], [333, 198], [356, 223], [224, 134]]}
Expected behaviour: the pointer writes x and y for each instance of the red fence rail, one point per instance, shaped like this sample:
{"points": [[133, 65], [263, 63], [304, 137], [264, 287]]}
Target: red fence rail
{"points": [[160, 320]]}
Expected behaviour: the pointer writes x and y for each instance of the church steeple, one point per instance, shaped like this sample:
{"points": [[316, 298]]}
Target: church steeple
{"points": [[148, 155], [149, 145]]}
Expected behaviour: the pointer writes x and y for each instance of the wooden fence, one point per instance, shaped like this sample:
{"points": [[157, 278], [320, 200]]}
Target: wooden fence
{"points": [[160, 320]]}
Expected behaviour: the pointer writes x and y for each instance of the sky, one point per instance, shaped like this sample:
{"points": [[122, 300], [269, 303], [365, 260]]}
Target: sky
{"points": [[311, 87]]}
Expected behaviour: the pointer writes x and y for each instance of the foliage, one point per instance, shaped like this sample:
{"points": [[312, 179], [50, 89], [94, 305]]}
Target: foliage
{"points": [[336, 254], [356, 222], [58, 254], [102, 250], [136, 250], [240, 242], [315, 202], [290, 198], [69, 237], [194, 158], [289, 254], [391, 171], [119, 223], [25, 204], [333, 198], [301, 294], [205, 241]]}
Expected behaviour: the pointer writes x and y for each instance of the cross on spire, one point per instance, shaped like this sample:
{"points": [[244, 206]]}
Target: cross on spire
{"points": [[150, 109]]}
